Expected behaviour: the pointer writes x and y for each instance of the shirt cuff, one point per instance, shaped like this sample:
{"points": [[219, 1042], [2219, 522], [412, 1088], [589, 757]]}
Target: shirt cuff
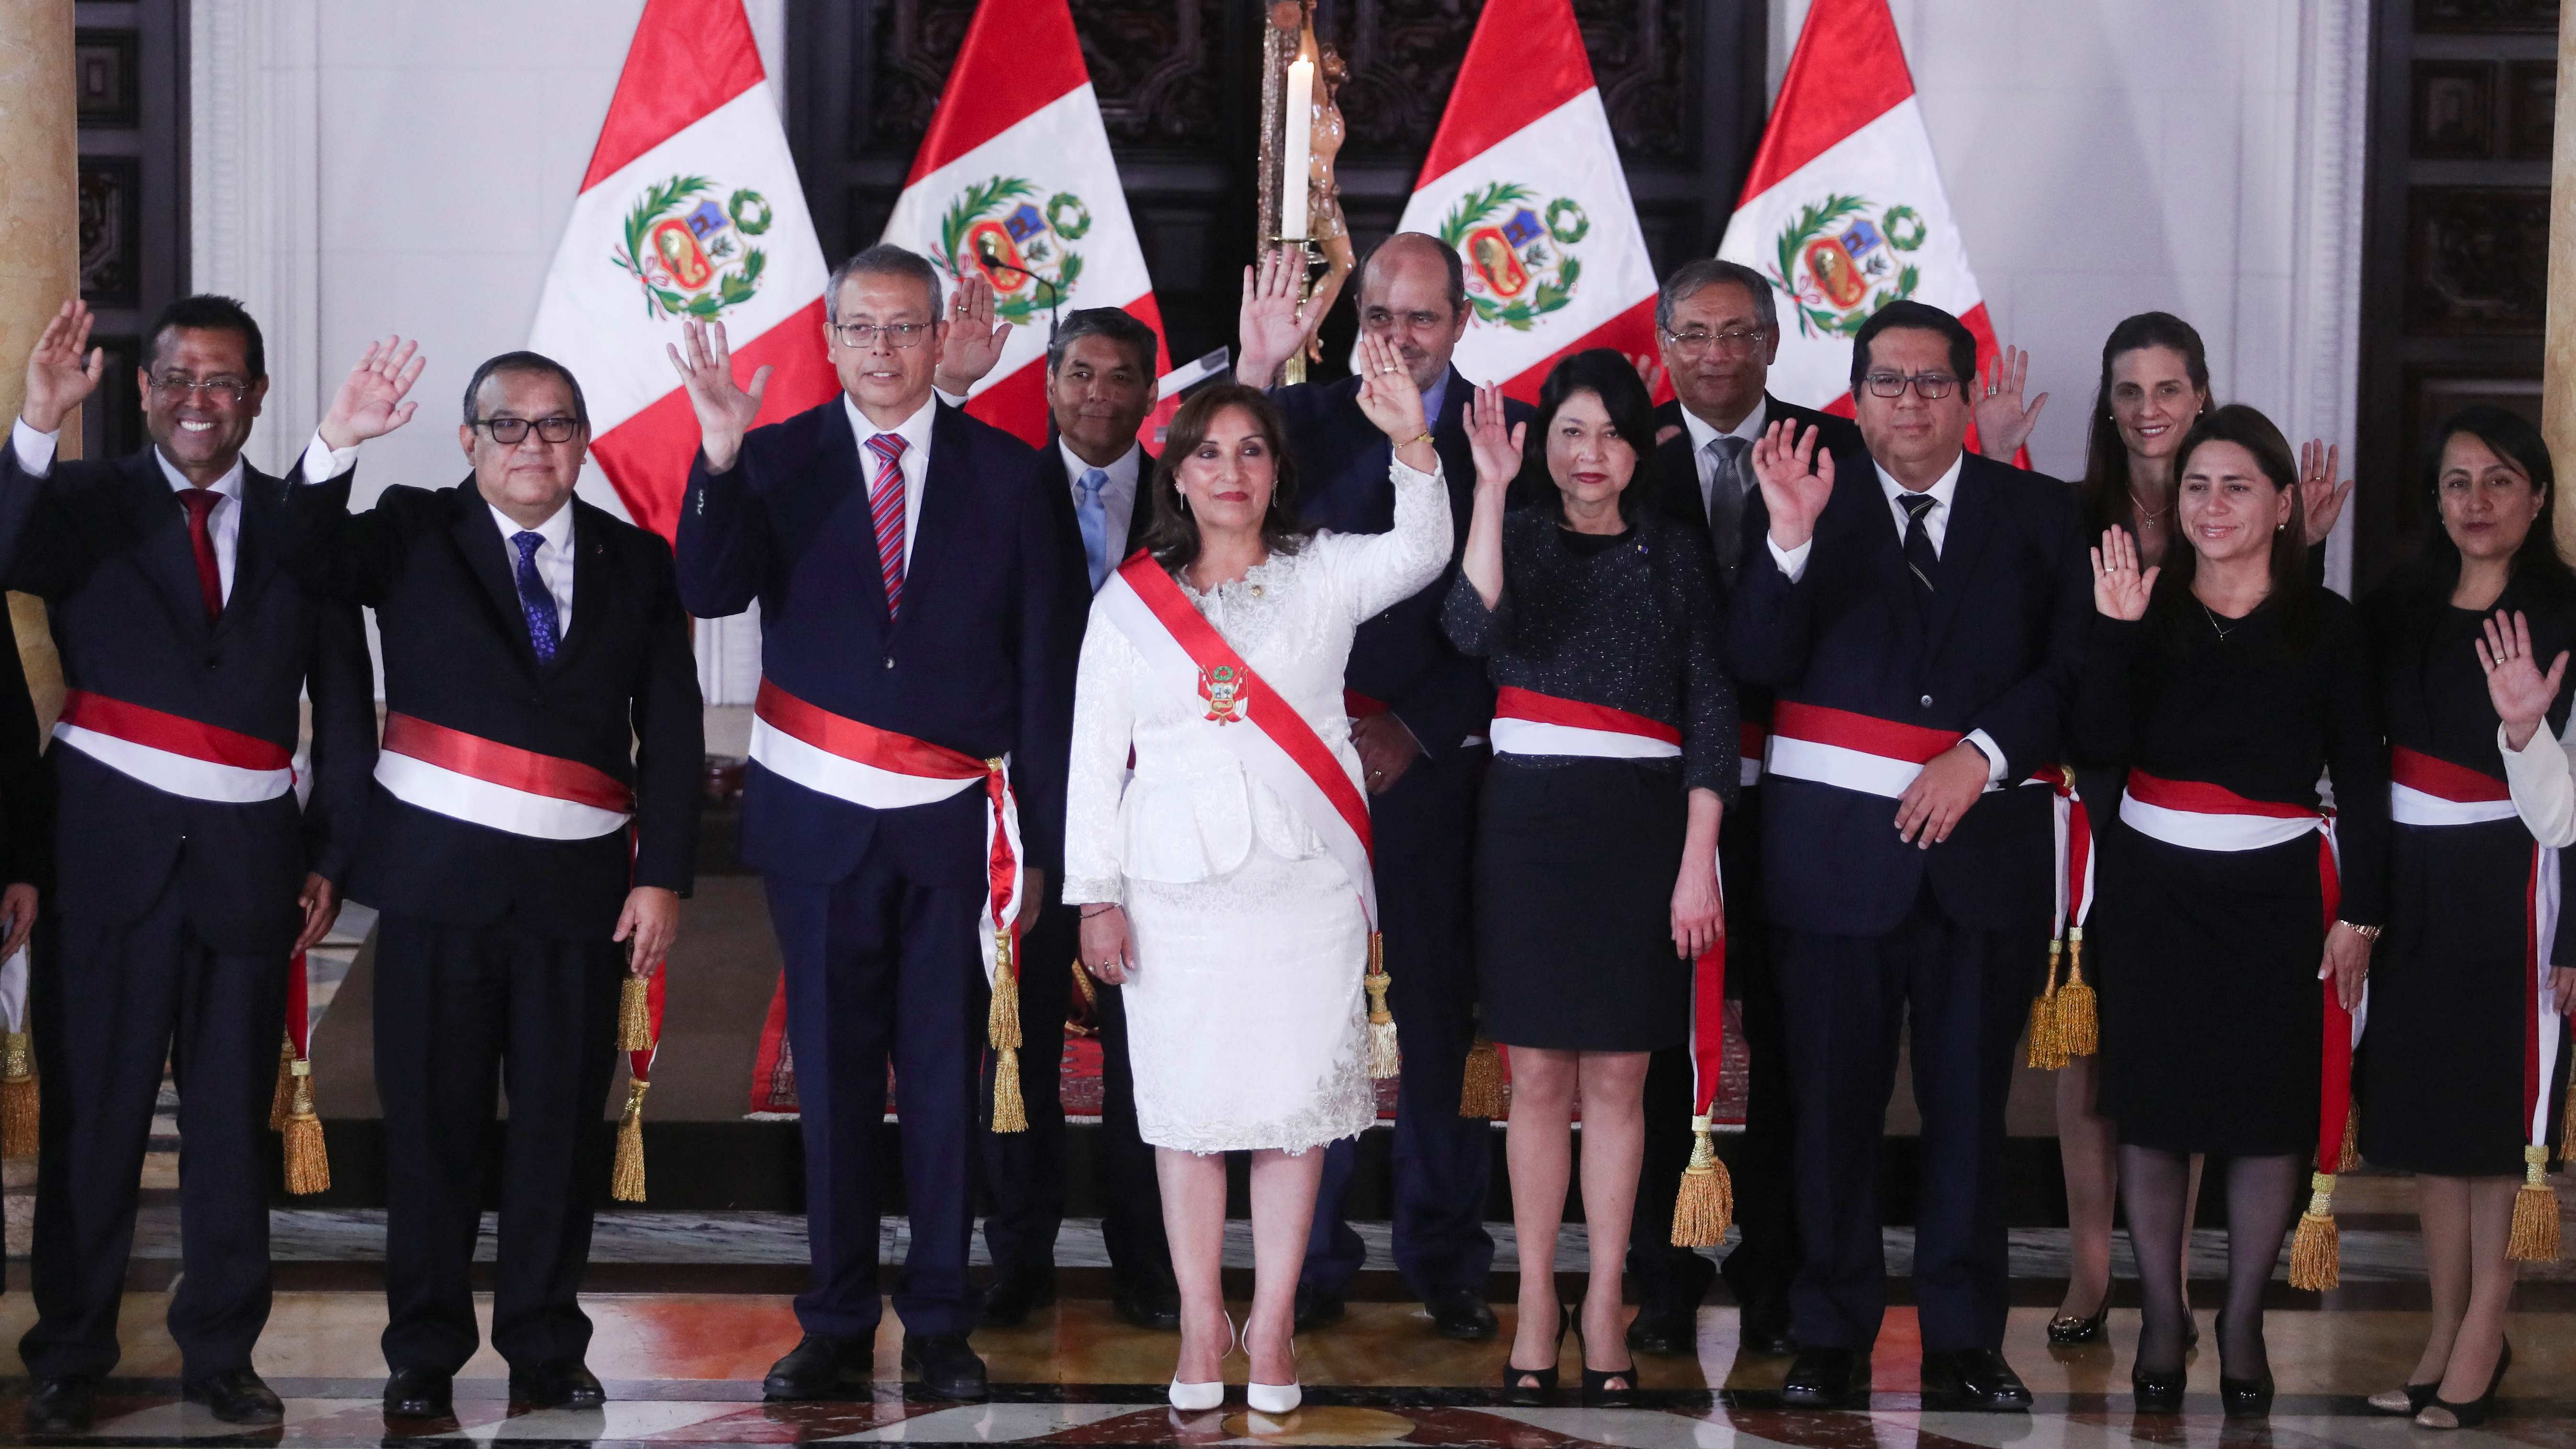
{"points": [[953, 399], [35, 449], [1792, 561], [1994, 753], [321, 462]]}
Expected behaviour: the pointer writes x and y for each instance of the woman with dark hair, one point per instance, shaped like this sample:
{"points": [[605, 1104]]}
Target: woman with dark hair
{"points": [[2227, 682], [1223, 876], [1596, 857], [2450, 1077]]}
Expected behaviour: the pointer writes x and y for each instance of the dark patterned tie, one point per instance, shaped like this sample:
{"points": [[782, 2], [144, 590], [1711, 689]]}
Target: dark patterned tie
{"points": [[1921, 559], [535, 599], [1726, 490]]}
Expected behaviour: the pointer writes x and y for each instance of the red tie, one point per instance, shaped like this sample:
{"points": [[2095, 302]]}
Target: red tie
{"points": [[885, 500], [210, 579]]}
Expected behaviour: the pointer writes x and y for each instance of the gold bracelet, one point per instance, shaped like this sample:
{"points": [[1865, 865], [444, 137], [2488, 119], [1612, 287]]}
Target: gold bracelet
{"points": [[2367, 933], [1422, 437]]}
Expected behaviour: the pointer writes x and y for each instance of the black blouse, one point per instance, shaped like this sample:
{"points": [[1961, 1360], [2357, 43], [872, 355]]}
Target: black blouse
{"points": [[1629, 623], [2251, 714]]}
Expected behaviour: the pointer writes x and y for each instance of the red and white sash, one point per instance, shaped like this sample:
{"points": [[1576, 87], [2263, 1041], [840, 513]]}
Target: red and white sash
{"points": [[1274, 744], [485, 782], [2425, 791], [850, 760], [1853, 751], [1527, 722], [2074, 883], [174, 753]]}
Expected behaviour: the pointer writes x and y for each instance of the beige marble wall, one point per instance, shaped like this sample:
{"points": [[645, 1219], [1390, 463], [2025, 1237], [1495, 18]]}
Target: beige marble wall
{"points": [[40, 235]]}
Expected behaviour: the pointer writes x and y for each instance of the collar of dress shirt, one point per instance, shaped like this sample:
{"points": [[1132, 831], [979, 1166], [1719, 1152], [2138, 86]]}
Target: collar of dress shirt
{"points": [[556, 530], [229, 485], [1942, 491], [1702, 431], [1122, 473], [914, 430]]}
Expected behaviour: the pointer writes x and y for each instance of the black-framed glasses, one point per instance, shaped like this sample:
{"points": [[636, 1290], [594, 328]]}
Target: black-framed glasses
{"points": [[214, 389], [1736, 342], [859, 335], [512, 431], [1929, 386]]}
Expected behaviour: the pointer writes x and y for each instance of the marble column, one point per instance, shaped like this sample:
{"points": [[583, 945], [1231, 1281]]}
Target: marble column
{"points": [[2558, 363], [40, 235]]}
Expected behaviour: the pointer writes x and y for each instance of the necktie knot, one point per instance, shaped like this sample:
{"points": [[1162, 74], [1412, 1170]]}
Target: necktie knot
{"points": [[1092, 481], [1915, 505], [889, 448], [527, 542], [199, 502]]}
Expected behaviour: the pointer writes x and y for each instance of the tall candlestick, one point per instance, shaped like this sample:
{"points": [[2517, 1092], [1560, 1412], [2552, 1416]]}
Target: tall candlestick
{"points": [[1294, 178]]}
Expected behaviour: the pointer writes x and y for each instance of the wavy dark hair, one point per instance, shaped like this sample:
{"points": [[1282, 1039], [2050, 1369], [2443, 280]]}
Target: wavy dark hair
{"points": [[1172, 535], [2537, 568], [2293, 596], [2104, 490], [1605, 374]]}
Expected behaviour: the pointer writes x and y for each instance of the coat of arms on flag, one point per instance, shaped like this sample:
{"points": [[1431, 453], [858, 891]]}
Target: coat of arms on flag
{"points": [[1024, 248], [1520, 262], [693, 255], [1843, 259]]}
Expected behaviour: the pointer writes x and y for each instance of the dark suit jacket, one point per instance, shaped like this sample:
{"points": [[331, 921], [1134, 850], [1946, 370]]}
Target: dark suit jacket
{"points": [[26, 793], [620, 697], [106, 545], [981, 659], [1051, 472], [1996, 650], [1677, 472], [1402, 656]]}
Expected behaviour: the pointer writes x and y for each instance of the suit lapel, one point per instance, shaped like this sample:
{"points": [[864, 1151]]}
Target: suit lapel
{"points": [[163, 550], [253, 559], [1138, 509], [941, 506], [479, 545], [842, 457], [591, 580], [1971, 525]]}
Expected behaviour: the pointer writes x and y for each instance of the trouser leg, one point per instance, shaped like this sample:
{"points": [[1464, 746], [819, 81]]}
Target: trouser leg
{"points": [[1968, 1004], [224, 1058], [1843, 1007], [1024, 1171], [561, 1031], [441, 1005], [1763, 1263], [836, 945], [939, 1001]]}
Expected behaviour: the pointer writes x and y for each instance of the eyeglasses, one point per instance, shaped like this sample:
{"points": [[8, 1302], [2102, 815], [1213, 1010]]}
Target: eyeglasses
{"points": [[1929, 386], [511, 431], [1735, 343], [858, 335], [213, 389]]}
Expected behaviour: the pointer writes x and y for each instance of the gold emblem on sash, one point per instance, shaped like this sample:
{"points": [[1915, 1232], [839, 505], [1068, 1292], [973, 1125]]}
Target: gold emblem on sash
{"points": [[1221, 686]]}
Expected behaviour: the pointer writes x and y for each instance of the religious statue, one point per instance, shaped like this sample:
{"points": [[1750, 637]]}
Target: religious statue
{"points": [[1330, 232]]}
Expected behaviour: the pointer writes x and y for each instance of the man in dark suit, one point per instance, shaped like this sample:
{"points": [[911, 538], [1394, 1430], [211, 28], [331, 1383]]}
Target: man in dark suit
{"points": [[532, 829], [188, 874], [1718, 331], [1920, 614], [1100, 386], [1419, 711], [921, 613]]}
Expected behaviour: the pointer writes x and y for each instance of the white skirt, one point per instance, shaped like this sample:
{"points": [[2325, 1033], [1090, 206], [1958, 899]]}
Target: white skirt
{"points": [[1247, 1023]]}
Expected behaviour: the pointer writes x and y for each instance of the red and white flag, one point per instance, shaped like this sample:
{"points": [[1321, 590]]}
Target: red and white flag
{"points": [[1844, 210], [1524, 180], [690, 209], [1015, 179]]}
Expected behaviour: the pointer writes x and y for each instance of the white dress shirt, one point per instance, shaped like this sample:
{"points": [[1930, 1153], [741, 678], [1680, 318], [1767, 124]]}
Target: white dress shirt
{"points": [[223, 521], [1117, 496], [1703, 432], [553, 558], [915, 432]]}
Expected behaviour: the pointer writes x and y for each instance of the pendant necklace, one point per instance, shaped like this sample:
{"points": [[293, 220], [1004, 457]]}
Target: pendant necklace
{"points": [[2222, 631]]}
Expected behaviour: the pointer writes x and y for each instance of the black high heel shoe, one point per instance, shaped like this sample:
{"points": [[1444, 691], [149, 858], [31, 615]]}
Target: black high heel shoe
{"points": [[2068, 1331], [2246, 1398], [2156, 1393], [2473, 1413], [1597, 1393], [1543, 1381]]}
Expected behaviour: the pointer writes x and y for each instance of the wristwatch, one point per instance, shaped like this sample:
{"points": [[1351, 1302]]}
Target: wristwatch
{"points": [[2367, 933]]}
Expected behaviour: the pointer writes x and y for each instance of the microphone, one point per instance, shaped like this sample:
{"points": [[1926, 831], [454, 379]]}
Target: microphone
{"points": [[985, 258]]}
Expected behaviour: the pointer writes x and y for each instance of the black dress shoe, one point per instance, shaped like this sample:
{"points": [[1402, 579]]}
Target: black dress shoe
{"points": [[1973, 1378], [419, 1393], [948, 1368], [822, 1366], [1824, 1378], [62, 1406], [564, 1383], [1461, 1313], [1315, 1307], [1664, 1328], [1762, 1328], [1148, 1305], [1011, 1297], [235, 1396]]}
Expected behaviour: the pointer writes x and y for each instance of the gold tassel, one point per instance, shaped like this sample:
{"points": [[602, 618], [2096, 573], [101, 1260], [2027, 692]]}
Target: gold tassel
{"points": [[308, 1161], [1002, 1034], [2316, 1251], [635, 1015], [2350, 1157], [2079, 1026], [20, 1108], [281, 1099], [1706, 1205], [1480, 1091], [1383, 1058], [2535, 1212], [626, 1178], [2043, 1055]]}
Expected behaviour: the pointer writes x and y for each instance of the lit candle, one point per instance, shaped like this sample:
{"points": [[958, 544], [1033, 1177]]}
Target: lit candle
{"points": [[1293, 178]]}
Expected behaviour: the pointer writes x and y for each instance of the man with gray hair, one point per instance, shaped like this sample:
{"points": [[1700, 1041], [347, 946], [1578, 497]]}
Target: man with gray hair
{"points": [[921, 613]]}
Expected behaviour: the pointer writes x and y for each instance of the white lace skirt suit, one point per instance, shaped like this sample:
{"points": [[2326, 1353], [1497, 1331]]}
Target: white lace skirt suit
{"points": [[1246, 1020]]}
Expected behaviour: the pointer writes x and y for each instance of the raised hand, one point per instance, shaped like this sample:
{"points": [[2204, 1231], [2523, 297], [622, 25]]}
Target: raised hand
{"points": [[1497, 443], [2320, 498], [974, 341], [724, 407], [58, 376], [2520, 693], [1387, 394], [2003, 423], [1271, 325], [370, 401], [1797, 478], [2120, 591]]}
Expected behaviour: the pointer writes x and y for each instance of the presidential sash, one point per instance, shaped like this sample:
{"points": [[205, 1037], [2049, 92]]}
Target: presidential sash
{"points": [[503, 787], [174, 753]]}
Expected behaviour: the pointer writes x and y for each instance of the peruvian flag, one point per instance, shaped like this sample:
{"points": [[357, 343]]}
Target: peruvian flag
{"points": [[1524, 180], [690, 209], [1844, 210], [1015, 179]]}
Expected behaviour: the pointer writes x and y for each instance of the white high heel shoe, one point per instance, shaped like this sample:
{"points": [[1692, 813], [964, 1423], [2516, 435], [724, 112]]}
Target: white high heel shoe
{"points": [[1275, 1398], [1199, 1398]]}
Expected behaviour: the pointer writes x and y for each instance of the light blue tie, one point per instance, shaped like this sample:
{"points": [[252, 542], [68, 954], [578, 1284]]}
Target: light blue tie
{"points": [[1093, 515]]}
